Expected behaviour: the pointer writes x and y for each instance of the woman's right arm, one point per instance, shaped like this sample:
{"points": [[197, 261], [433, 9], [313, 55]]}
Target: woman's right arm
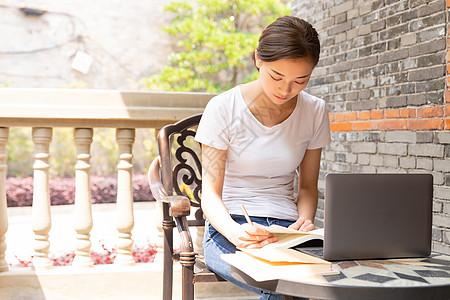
{"points": [[213, 174]]}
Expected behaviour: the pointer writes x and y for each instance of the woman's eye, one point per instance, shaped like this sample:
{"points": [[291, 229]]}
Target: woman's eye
{"points": [[300, 83], [275, 78]]}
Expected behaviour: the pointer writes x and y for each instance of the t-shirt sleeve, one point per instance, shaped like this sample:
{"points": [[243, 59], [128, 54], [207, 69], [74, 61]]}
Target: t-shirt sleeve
{"points": [[213, 130], [322, 135]]}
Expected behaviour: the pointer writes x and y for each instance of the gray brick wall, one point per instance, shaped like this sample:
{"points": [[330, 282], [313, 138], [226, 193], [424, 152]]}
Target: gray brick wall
{"points": [[389, 58]]}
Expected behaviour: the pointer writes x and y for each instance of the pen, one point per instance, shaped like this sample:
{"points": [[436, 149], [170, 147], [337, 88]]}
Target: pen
{"points": [[246, 215]]}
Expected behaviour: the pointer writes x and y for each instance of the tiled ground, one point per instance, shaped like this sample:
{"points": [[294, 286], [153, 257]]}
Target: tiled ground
{"points": [[62, 236], [393, 273]]}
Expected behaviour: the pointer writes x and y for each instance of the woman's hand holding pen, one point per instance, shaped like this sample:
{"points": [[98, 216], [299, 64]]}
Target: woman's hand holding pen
{"points": [[251, 236]]}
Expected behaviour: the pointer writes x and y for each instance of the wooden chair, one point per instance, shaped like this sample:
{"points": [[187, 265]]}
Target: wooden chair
{"points": [[172, 175]]}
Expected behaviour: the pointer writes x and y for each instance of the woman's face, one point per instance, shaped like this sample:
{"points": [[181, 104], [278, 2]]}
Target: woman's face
{"points": [[283, 79]]}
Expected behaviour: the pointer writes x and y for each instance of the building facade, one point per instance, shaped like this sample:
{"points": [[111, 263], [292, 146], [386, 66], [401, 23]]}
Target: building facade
{"points": [[383, 73], [104, 44]]}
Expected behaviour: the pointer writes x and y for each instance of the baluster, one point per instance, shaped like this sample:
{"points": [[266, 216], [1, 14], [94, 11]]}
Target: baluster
{"points": [[4, 132], [124, 205], [83, 212], [41, 217]]}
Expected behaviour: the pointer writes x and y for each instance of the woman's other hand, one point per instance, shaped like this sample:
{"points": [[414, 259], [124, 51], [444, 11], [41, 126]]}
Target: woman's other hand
{"points": [[251, 236], [303, 224]]}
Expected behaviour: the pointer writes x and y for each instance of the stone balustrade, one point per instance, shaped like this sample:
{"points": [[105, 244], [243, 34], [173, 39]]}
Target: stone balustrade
{"points": [[83, 110]]}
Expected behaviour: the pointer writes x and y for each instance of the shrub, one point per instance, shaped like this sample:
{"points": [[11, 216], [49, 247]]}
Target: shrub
{"points": [[19, 191]]}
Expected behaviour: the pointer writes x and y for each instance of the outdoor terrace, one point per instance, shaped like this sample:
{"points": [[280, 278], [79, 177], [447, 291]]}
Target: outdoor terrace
{"points": [[125, 111]]}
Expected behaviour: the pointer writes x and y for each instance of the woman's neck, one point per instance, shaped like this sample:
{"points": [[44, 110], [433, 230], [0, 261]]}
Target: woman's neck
{"points": [[265, 111]]}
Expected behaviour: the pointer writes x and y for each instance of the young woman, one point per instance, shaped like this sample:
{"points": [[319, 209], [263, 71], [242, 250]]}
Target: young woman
{"points": [[254, 137]]}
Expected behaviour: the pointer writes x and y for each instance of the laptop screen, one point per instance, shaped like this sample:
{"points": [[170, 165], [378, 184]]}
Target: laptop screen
{"points": [[371, 216]]}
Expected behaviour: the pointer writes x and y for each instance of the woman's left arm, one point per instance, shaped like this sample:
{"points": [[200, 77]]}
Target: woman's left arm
{"points": [[307, 190]]}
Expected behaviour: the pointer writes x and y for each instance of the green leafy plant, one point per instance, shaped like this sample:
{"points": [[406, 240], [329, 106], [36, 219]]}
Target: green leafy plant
{"points": [[216, 39], [62, 153], [104, 153], [19, 151]]}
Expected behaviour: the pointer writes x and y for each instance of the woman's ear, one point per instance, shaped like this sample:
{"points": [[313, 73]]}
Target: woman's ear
{"points": [[257, 60]]}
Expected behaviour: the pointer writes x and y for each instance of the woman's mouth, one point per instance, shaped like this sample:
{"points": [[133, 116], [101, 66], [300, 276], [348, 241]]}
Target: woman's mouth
{"points": [[281, 98]]}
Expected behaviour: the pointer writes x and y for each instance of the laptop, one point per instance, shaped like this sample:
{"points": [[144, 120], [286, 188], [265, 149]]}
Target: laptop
{"points": [[376, 216]]}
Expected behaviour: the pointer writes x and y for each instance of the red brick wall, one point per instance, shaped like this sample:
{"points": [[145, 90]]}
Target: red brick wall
{"points": [[383, 72], [447, 93], [430, 117], [423, 118]]}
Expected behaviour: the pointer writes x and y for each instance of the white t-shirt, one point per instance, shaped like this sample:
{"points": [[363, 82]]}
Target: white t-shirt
{"points": [[261, 160]]}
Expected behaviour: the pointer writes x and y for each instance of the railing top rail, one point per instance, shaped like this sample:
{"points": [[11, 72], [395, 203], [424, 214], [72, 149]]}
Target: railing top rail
{"points": [[96, 108]]}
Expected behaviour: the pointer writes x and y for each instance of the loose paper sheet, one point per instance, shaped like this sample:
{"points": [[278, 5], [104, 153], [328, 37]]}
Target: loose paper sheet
{"points": [[261, 271], [283, 255]]}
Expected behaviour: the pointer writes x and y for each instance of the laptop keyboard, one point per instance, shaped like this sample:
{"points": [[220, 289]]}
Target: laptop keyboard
{"points": [[314, 251]]}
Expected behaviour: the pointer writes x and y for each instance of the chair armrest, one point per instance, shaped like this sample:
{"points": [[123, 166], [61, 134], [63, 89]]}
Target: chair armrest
{"points": [[154, 179], [180, 206], [187, 244]]}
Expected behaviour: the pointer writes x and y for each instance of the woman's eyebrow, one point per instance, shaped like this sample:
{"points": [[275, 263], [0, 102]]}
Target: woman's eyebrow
{"points": [[278, 73]]}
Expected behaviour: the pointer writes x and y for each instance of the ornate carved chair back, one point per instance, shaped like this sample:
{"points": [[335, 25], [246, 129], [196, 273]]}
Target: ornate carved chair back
{"points": [[175, 179], [180, 159]]}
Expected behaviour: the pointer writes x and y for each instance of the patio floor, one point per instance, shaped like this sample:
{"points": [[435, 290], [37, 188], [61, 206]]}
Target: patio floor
{"points": [[20, 239]]}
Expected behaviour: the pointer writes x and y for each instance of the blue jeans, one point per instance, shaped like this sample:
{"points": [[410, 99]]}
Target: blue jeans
{"points": [[215, 244]]}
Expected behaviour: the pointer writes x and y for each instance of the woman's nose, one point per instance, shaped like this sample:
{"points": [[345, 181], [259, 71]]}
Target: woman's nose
{"points": [[285, 88]]}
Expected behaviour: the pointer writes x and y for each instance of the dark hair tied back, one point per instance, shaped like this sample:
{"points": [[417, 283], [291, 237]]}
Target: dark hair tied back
{"points": [[289, 37]]}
